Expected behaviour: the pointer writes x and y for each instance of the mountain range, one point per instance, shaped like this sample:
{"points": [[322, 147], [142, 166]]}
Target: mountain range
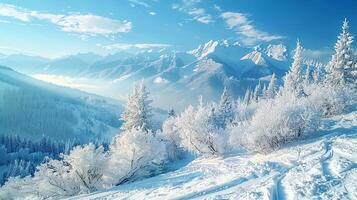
{"points": [[172, 76]]}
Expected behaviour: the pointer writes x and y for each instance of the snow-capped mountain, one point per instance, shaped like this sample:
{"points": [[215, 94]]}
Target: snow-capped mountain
{"points": [[32, 109], [204, 71]]}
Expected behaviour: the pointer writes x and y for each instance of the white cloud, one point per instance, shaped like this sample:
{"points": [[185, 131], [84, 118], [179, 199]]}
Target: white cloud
{"points": [[217, 7], [190, 7], [322, 55], [79, 83], [152, 13], [246, 31], [12, 11], [125, 46], [77, 23], [139, 2]]}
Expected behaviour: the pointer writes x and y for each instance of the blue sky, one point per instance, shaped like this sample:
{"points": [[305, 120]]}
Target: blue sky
{"points": [[56, 28]]}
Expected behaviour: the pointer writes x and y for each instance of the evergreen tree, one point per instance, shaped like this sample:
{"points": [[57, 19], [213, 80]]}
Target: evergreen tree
{"points": [[307, 75], [342, 69], [138, 110], [256, 93], [225, 109], [247, 97], [264, 90], [316, 75], [293, 79], [271, 90]]}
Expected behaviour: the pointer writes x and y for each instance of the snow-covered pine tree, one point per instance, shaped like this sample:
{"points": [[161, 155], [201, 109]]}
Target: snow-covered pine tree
{"points": [[307, 75], [247, 97], [316, 74], [225, 109], [256, 93], [138, 110], [271, 90], [293, 79], [340, 68], [264, 90]]}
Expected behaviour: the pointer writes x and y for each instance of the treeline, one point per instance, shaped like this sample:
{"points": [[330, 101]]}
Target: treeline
{"points": [[20, 156]]}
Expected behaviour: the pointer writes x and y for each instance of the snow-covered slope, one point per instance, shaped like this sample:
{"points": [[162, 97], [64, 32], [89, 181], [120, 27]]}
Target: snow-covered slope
{"points": [[323, 166], [32, 109]]}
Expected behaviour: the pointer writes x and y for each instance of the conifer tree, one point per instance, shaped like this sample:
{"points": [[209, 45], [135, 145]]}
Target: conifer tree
{"points": [[342, 69], [316, 74], [256, 93], [138, 110], [225, 109], [271, 90], [307, 75], [293, 79]]}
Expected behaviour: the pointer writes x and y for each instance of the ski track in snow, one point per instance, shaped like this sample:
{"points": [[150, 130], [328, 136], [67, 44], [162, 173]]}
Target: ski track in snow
{"points": [[323, 166]]}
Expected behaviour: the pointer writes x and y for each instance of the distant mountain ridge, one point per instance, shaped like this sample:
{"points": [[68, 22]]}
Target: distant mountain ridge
{"points": [[204, 71], [34, 109]]}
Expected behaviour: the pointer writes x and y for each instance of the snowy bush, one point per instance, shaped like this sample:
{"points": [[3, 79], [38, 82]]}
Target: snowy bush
{"points": [[276, 122], [199, 132], [134, 155], [80, 172], [171, 136], [331, 100]]}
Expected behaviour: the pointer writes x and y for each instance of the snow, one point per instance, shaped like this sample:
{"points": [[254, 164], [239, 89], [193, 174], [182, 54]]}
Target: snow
{"points": [[322, 166], [256, 57], [206, 49], [278, 52], [160, 80]]}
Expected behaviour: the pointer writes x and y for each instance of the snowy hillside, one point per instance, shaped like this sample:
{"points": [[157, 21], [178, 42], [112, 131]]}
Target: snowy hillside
{"points": [[33, 109], [320, 167]]}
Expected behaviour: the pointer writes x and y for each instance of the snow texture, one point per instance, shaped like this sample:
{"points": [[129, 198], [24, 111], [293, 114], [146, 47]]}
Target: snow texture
{"points": [[321, 167]]}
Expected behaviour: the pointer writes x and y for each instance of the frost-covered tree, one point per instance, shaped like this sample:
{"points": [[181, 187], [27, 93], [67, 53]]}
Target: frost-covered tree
{"points": [[293, 79], [225, 112], [307, 76], [317, 71], [199, 133], [293, 118], [257, 92], [171, 135], [342, 69], [271, 90], [87, 164], [247, 97], [138, 110], [264, 90], [79, 172], [134, 155]]}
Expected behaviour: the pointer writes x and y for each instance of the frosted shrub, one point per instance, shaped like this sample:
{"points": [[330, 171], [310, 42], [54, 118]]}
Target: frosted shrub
{"points": [[80, 172], [87, 165], [134, 155], [331, 100], [199, 133], [276, 122], [172, 138]]}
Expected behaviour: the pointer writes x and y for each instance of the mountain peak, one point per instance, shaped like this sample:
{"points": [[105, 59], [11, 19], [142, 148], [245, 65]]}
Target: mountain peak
{"points": [[256, 57], [278, 52]]}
